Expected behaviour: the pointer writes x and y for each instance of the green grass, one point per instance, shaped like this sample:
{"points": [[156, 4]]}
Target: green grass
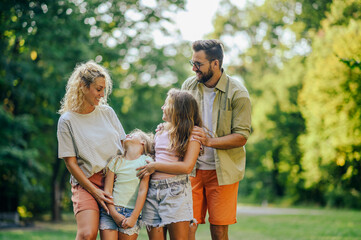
{"points": [[305, 224]]}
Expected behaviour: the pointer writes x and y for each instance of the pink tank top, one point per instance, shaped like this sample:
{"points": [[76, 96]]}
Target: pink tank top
{"points": [[163, 154]]}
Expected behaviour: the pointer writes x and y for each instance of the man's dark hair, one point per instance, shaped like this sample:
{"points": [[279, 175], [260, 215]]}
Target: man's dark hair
{"points": [[213, 49]]}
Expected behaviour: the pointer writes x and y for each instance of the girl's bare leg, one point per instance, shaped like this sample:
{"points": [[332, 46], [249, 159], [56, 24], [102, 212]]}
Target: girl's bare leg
{"points": [[179, 230], [157, 233]]}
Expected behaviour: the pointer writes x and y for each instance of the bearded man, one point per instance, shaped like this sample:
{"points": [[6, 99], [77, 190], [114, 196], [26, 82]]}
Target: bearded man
{"points": [[226, 112]]}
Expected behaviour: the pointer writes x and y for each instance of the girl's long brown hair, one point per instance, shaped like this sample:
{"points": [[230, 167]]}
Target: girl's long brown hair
{"points": [[184, 115]]}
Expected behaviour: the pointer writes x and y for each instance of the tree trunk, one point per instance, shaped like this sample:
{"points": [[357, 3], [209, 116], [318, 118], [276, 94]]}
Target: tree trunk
{"points": [[56, 192], [56, 202]]}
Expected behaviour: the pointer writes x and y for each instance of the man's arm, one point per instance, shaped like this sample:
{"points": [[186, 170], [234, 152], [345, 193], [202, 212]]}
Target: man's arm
{"points": [[230, 141], [240, 127]]}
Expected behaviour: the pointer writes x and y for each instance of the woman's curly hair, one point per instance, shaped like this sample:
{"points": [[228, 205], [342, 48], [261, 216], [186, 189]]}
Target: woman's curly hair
{"points": [[83, 75]]}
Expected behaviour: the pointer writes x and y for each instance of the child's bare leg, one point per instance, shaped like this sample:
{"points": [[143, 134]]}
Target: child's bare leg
{"points": [[155, 233], [179, 230], [123, 236]]}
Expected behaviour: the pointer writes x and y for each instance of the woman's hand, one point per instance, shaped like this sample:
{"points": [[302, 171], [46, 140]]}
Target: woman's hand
{"points": [[146, 170], [102, 198]]}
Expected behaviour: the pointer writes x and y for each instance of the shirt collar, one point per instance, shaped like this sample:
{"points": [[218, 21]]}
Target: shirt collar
{"points": [[222, 83]]}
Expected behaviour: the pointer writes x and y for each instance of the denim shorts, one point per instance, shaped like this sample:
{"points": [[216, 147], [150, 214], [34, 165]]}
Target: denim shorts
{"points": [[107, 222], [168, 201]]}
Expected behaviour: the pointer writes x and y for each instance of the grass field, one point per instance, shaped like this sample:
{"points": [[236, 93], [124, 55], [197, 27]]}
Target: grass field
{"points": [[253, 223]]}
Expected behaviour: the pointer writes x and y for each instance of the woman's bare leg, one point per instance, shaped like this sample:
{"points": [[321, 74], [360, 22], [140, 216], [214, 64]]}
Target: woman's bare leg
{"points": [[87, 224]]}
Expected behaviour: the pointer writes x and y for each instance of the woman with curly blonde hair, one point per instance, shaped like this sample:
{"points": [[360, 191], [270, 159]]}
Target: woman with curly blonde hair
{"points": [[89, 135]]}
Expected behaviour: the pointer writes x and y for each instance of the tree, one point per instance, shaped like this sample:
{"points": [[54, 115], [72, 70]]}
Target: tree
{"points": [[41, 42], [330, 104]]}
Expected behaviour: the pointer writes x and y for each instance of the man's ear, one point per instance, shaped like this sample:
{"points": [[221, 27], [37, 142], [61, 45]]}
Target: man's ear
{"points": [[216, 63]]}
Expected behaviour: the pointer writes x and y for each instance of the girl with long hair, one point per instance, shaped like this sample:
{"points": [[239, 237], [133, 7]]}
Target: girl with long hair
{"points": [[169, 200]]}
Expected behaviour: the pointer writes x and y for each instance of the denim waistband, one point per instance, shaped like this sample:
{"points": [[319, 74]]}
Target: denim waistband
{"points": [[168, 182]]}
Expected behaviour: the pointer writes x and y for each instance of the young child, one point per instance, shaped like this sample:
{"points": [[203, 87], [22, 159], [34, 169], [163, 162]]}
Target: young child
{"points": [[169, 199], [129, 193]]}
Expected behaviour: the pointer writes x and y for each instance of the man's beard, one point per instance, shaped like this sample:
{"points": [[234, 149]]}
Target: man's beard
{"points": [[205, 78]]}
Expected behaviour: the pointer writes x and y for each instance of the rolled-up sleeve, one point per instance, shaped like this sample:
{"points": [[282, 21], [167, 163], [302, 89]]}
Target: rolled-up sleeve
{"points": [[241, 114]]}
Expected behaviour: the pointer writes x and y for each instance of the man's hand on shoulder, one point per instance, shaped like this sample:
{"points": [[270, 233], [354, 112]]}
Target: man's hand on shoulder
{"points": [[200, 135]]}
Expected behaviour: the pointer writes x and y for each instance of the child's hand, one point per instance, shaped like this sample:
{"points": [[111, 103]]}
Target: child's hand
{"points": [[118, 219], [146, 170], [159, 127], [129, 222]]}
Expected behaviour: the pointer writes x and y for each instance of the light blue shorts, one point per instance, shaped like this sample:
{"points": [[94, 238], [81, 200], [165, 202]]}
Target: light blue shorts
{"points": [[107, 222], [168, 201]]}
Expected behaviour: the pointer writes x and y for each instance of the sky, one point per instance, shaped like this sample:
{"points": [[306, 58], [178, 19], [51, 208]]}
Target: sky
{"points": [[197, 19], [194, 22]]}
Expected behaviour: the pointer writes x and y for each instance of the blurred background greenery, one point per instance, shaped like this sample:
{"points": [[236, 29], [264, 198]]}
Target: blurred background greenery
{"points": [[299, 59]]}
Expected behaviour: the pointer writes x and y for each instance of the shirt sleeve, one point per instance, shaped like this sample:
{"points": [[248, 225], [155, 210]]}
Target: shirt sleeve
{"points": [[111, 165], [118, 126], [66, 145], [241, 116], [186, 84]]}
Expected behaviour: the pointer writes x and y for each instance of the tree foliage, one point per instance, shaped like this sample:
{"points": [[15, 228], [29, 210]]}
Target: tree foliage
{"points": [[330, 101], [41, 42], [299, 59]]}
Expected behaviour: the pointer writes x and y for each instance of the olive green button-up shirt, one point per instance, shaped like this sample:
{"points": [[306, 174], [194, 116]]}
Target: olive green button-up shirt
{"points": [[231, 114]]}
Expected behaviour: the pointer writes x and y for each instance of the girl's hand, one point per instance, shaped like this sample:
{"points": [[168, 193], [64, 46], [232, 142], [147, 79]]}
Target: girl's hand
{"points": [[146, 170], [159, 127], [118, 219], [102, 198], [128, 222]]}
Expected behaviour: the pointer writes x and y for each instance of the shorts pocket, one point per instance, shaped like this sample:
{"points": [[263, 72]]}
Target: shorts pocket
{"points": [[177, 190]]}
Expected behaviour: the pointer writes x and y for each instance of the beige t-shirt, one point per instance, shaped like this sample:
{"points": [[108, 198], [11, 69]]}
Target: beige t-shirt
{"points": [[92, 138]]}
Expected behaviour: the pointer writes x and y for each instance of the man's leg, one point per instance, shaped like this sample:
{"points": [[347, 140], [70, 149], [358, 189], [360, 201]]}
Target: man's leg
{"points": [[222, 205], [219, 232]]}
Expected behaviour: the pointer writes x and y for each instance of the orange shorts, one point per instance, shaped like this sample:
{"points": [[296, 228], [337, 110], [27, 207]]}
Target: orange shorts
{"points": [[220, 201], [82, 199]]}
